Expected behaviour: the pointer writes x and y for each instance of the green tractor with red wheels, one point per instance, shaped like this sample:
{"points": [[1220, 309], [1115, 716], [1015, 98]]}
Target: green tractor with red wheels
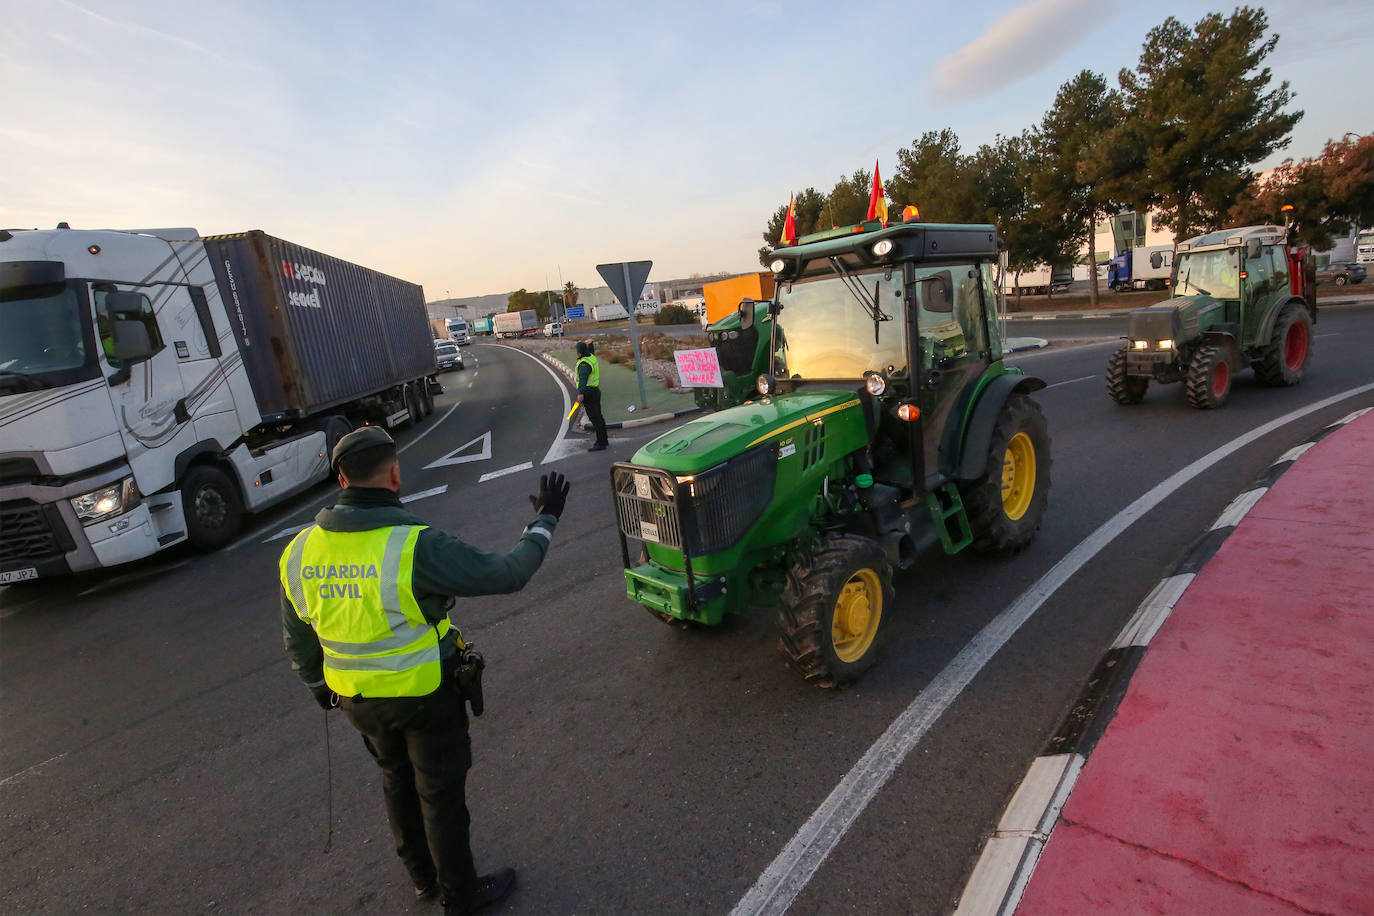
{"points": [[1239, 298], [878, 421]]}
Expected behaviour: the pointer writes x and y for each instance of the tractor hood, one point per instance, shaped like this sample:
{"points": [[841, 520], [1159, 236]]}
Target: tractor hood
{"points": [[1175, 319], [705, 443]]}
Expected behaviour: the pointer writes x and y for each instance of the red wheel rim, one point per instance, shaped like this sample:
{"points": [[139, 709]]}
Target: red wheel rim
{"points": [[1221, 379], [1295, 345]]}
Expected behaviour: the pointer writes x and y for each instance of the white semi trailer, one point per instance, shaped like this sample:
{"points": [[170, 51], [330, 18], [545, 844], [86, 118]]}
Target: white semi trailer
{"points": [[156, 386]]}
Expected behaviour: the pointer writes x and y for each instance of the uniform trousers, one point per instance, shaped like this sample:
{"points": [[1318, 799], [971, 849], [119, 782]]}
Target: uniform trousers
{"points": [[591, 403], [422, 746]]}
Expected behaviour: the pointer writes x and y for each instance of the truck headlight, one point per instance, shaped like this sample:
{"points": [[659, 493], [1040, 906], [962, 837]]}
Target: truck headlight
{"points": [[107, 501], [1140, 344], [1166, 345]]}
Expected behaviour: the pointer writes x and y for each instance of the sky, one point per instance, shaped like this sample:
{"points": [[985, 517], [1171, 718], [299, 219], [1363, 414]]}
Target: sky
{"points": [[478, 148]]}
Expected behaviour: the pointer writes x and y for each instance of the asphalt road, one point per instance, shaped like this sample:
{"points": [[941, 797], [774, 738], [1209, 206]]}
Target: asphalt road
{"points": [[159, 755]]}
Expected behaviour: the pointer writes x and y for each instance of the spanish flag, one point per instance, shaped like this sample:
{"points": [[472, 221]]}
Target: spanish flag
{"points": [[789, 225], [877, 201]]}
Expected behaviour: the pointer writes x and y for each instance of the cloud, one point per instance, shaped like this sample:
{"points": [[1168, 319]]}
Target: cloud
{"points": [[1024, 41]]}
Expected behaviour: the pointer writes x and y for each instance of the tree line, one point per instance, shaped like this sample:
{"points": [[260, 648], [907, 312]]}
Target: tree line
{"points": [[1177, 135]]}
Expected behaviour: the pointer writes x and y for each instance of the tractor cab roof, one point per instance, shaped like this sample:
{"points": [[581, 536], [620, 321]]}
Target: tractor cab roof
{"points": [[1234, 238], [872, 245]]}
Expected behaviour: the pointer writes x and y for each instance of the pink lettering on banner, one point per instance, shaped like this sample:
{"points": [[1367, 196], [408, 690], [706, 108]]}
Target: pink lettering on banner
{"points": [[699, 368]]}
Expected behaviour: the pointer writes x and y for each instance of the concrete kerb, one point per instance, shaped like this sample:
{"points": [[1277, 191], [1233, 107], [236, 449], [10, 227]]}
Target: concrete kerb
{"points": [[1008, 859], [623, 424]]}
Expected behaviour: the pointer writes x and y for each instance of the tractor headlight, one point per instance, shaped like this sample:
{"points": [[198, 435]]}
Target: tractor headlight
{"points": [[1166, 345], [777, 265], [1140, 345], [875, 383], [765, 384], [883, 247], [107, 501]]}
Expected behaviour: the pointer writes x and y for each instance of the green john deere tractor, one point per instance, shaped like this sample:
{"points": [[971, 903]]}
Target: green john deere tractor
{"points": [[867, 415], [1240, 297]]}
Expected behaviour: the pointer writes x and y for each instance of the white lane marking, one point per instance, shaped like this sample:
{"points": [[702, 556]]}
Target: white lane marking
{"points": [[469, 384], [1069, 382], [474, 373], [799, 861], [455, 456], [425, 494], [432, 428], [288, 532], [14, 777], [504, 471], [556, 450]]}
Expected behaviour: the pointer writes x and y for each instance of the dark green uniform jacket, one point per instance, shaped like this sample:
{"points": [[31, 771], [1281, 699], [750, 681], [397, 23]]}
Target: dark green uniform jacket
{"points": [[445, 567]]}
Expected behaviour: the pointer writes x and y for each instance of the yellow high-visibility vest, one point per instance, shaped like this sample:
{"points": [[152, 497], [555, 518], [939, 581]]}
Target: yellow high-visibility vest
{"points": [[594, 379], [354, 589]]}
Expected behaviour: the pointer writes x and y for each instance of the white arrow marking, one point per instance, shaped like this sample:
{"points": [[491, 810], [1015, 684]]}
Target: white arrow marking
{"points": [[433, 491], [454, 457], [504, 471]]}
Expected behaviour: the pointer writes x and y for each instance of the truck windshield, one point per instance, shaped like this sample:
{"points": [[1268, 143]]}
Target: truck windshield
{"points": [[1209, 273], [48, 341], [840, 325]]}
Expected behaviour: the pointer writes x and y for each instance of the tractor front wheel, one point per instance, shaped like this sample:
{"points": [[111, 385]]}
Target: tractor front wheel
{"points": [[1006, 505], [832, 609], [1286, 356], [1209, 378], [1123, 388]]}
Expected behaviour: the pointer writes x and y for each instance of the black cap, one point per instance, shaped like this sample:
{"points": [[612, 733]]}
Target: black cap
{"points": [[582, 348], [364, 437]]}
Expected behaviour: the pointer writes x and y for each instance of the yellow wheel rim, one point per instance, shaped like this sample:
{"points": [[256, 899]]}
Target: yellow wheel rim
{"points": [[1018, 476], [858, 610]]}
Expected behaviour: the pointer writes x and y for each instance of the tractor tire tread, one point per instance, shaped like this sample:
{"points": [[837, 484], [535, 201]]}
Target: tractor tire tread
{"points": [[1197, 385], [993, 532], [1271, 368], [1123, 388]]}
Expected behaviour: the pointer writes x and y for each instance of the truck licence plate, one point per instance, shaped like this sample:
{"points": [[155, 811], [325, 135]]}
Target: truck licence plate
{"points": [[18, 575]]}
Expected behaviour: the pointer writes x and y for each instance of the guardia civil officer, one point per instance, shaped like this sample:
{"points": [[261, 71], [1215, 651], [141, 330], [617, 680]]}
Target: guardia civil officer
{"points": [[589, 392], [366, 593]]}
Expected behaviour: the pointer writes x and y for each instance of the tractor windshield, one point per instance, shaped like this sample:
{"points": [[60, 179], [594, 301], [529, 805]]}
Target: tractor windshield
{"points": [[1209, 273], [839, 324]]}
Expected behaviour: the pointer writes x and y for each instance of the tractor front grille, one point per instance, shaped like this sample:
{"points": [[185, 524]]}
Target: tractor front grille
{"points": [[27, 533], [701, 514]]}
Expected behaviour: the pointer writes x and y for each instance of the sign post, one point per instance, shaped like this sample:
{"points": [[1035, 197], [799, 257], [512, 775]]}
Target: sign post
{"points": [[626, 279]]}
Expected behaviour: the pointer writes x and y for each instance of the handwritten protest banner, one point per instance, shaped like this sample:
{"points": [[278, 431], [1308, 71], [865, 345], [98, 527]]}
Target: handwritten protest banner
{"points": [[699, 368]]}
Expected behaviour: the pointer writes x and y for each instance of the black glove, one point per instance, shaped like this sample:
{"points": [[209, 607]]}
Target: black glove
{"points": [[324, 696], [553, 494]]}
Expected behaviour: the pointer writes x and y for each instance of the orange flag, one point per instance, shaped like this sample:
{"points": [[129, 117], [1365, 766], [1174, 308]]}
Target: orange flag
{"points": [[789, 225], [877, 201]]}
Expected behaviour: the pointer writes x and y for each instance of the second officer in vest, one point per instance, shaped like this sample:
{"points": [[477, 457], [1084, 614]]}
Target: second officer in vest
{"points": [[366, 593], [589, 392]]}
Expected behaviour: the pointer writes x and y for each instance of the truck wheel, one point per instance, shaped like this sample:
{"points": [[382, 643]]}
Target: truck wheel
{"points": [[832, 609], [212, 507], [1123, 388], [1340, 280], [426, 397], [417, 413], [1006, 505], [1286, 356], [1209, 378]]}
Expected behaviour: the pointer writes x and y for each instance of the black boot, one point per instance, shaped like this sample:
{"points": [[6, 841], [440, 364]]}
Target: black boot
{"points": [[492, 888]]}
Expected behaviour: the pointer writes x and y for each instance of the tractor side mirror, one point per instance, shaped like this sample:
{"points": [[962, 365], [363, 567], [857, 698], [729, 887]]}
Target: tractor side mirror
{"points": [[937, 292], [1253, 247], [746, 314], [131, 341], [1156, 259]]}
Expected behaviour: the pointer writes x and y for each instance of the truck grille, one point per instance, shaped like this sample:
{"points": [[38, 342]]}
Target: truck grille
{"points": [[26, 534], [705, 514]]}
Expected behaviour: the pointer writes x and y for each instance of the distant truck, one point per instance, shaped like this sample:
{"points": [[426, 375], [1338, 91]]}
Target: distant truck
{"points": [[724, 296], [481, 326], [1038, 280], [156, 386], [458, 331], [609, 312], [1146, 267], [439, 328], [516, 324]]}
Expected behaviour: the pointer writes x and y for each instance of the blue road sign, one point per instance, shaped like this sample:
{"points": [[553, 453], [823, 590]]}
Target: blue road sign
{"points": [[577, 312]]}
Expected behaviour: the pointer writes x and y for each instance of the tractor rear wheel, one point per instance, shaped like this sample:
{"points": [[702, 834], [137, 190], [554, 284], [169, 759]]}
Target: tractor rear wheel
{"points": [[1209, 378], [1123, 388], [1006, 505], [832, 609], [1286, 356]]}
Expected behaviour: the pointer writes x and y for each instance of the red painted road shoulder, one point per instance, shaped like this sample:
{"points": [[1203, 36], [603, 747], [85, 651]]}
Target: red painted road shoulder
{"points": [[1236, 776]]}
